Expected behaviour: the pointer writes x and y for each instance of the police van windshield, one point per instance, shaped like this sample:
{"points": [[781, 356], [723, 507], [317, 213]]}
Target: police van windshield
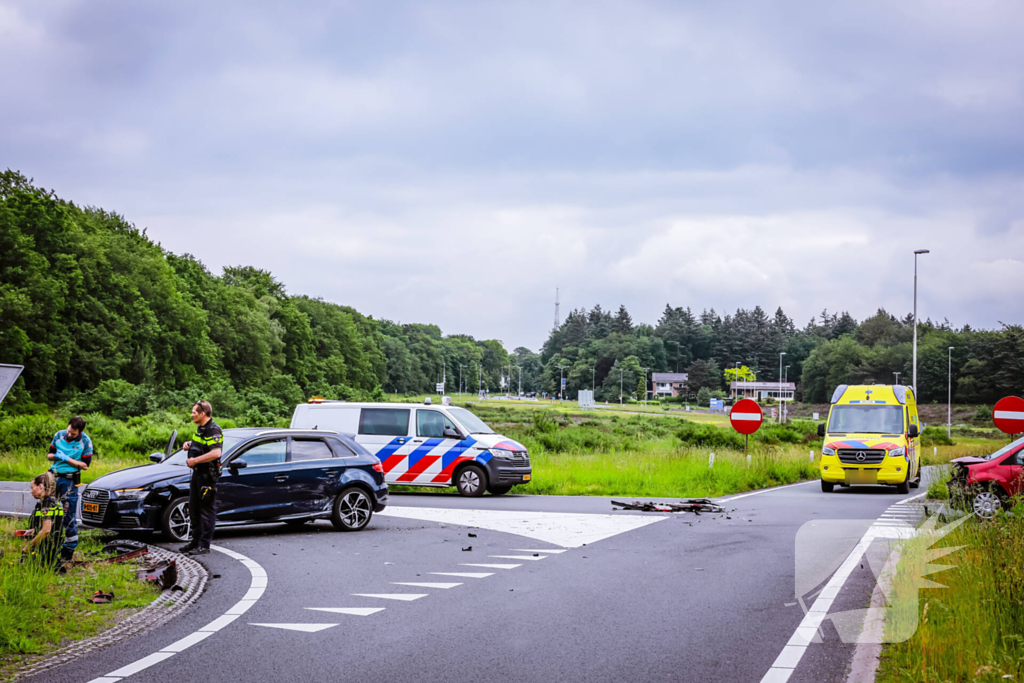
{"points": [[864, 419], [179, 457], [472, 423]]}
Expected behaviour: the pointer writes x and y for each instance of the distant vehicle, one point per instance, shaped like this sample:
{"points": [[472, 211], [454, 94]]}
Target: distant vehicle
{"points": [[872, 437], [989, 482], [425, 445], [269, 475]]}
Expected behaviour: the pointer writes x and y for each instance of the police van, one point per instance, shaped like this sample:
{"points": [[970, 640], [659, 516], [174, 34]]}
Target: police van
{"points": [[425, 445]]}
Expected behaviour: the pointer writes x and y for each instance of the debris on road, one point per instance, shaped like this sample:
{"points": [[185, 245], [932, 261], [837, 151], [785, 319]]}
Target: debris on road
{"points": [[694, 505], [162, 573], [466, 550], [472, 535]]}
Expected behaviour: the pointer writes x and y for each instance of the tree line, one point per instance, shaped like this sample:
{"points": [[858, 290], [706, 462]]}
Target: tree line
{"points": [[103, 318], [607, 351]]}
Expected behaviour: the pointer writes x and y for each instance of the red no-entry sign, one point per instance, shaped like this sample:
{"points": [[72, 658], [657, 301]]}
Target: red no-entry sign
{"points": [[1009, 414], [746, 416]]}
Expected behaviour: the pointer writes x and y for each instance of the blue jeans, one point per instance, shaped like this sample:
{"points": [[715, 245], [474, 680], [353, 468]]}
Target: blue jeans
{"points": [[67, 494]]}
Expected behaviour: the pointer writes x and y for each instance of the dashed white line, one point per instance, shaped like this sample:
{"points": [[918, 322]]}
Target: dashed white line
{"points": [[464, 575], [354, 611], [305, 628], [528, 558], [257, 585], [549, 551], [426, 585], [405, 597], [490, 566], [755, 493]]}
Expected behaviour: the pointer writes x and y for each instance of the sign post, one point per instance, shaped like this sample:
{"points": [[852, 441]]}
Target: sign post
{"points": [[1008, 414], [746, 418], [8, 376]]}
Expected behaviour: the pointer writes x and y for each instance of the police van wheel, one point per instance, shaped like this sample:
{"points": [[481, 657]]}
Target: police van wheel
{"points": [[827, 486], [904, 486], [352, 510], [176, 523], [500, 490], [471, 481]]}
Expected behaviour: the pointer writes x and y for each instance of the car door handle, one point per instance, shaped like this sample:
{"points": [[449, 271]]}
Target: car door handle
{"points": [[400, 440], [281, 477], [417, 440], [330, 473]]}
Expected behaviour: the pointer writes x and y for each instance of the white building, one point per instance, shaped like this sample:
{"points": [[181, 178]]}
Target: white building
{"points": [[780, 391]]}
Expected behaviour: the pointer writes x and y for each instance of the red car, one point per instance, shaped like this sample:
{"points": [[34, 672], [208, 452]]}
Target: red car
{"points": [[989, 482]]}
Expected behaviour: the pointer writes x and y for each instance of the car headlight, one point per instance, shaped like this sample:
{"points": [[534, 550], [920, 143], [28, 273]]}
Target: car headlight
{"points": [[897, 452], [828, 451], [131, 494], [502, 454]]}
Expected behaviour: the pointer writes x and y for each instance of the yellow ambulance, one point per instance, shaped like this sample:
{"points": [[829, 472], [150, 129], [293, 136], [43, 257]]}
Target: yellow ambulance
{"points": [[872, 437]]}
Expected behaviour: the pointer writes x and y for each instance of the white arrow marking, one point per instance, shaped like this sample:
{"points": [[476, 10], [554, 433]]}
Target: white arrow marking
{"points": [[464, 575], [427, 585], [749, 417], [1008, 415], [354, 611], [392, 596], [491, 566], [306, 628], [517, 557], [534, 550]]}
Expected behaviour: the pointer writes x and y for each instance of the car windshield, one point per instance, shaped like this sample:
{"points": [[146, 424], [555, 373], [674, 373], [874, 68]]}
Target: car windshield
{"points": [[1005, 449], [866, 419], [472, 423], [179, 457]]}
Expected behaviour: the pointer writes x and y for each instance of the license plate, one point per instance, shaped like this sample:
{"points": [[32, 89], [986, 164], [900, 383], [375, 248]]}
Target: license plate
{"points": [[90, 507], [526, 477], [862, 477]]}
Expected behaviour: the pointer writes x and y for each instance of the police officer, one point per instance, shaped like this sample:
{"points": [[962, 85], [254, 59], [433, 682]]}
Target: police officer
{"points": [[204, 452], [71, 453], [46, 526]]}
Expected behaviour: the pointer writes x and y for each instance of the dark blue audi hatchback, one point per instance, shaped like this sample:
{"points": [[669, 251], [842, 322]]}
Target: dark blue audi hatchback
{"points": [[268, 475]]}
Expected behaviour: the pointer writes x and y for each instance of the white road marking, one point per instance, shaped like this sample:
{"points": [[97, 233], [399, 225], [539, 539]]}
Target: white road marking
{"points": [[787, 661], [569, 529], [426, 585], [549, 551], [257, 586], [305, 628], [406, 597], [755, 493], [529, 558], [465, 575], [354, 611], [490, 566]]}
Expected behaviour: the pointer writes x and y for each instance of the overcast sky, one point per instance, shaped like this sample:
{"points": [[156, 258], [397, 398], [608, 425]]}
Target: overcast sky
{"points": [[453, 163]]}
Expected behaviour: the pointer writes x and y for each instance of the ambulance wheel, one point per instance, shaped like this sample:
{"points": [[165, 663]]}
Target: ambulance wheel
{"points": [[904, 486], [352, 509], [827, 486], [175, 522], [916, 481], [472, 481], [500, 490]]}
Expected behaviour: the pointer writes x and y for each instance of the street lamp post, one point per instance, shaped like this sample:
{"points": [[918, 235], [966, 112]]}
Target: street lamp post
{"points": [[593, 379], [460, 381], [645, 385], [620, 386], [786, 382], [560, 368], [916, 254], [781, 354], [897, 377], [949, 397], [519, 393]]}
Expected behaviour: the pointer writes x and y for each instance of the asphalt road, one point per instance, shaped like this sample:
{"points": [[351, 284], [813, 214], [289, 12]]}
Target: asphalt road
{"points": [[580, 593]]}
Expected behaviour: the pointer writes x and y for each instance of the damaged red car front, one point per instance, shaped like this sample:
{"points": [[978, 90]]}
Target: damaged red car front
{"points": [[989, 483]]}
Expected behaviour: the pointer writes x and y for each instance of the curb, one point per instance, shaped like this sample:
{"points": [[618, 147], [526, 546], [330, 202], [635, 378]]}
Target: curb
{"points": [[166, 606]]}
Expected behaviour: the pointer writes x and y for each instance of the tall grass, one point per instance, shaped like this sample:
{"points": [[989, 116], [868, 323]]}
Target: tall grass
{"points": [[40, 609], [973, 630]]}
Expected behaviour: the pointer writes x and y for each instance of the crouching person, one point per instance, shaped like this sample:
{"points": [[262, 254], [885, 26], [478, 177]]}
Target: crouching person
{"points": [[46, 530], [71, 453]]}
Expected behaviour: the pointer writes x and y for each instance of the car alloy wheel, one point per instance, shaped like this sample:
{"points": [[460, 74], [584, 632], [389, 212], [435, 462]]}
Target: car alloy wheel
{"points": [[471, 481], [987, 504], [352, 510], [179, 522]]}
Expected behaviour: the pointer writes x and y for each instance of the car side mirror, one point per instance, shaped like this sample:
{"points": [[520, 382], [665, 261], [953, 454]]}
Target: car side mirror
{"points": [[821, 429], [450, 433], [237, 464], [156, 457], [913, 431]]}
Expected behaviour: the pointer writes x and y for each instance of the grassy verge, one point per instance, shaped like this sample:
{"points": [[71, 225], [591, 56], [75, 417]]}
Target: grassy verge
{"points": [[40, 609], [973, 630]]}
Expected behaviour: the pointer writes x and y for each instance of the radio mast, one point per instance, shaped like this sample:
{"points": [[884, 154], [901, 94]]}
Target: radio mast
{"points": [[557, 321]]}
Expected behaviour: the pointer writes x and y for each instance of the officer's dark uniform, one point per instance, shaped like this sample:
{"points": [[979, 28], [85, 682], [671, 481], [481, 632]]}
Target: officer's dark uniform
{"points": [[203, 487]]}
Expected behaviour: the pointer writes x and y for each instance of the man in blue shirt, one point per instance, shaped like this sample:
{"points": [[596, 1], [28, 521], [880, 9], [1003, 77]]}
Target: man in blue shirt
{"points": [[71, 452]]}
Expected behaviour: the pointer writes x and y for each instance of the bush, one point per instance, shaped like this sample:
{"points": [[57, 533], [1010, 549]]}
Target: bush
{"points": [[936, 436], [708, 436]]}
